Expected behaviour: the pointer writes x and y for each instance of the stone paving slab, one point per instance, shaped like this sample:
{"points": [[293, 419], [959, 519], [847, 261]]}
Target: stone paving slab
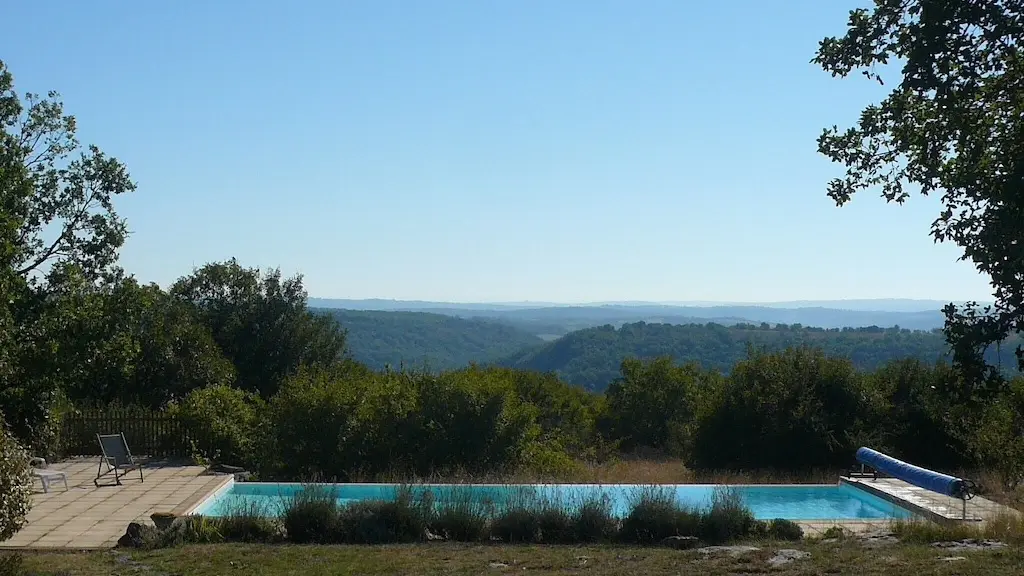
{"points": [[88, 516]]}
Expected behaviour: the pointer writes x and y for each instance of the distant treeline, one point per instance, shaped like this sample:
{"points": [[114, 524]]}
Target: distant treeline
{"points": [[591, 358]]}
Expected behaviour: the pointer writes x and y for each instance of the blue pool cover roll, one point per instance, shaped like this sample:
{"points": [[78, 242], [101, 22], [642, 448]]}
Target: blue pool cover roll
{"points": [[927, 479]]}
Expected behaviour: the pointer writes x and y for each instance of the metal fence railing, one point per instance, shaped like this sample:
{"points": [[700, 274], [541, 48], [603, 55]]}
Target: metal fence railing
{"points": [[148, 432]]}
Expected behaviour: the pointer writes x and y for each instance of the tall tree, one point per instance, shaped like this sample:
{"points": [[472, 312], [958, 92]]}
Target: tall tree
{"points": [[261, 322], [56, 213], [57, 197], [953, 124]]}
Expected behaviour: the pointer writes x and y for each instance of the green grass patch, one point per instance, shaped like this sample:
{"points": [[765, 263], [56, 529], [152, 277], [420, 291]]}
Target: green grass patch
{"points": [[846, 557]]}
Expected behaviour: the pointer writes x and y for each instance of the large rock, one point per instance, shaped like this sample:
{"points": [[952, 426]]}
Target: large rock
{"points": [[681, 542], [787, 555], [138, 535], [960, 545], [730, 550]]}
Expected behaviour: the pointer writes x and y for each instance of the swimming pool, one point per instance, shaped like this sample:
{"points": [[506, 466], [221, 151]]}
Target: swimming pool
{"points": [[792, 502]]}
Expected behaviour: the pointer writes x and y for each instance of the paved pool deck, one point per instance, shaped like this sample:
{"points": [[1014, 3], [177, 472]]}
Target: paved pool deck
{"points": [[94, 517], [932, 505]]}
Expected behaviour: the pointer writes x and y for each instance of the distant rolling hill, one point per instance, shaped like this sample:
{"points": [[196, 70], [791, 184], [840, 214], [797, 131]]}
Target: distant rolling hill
{"points": [[591, 357], [419, 339], [556, 320]]}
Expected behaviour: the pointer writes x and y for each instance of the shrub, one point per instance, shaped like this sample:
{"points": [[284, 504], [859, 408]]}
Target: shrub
{"points": [[593, 521], [1006, 527], [918, 531], [11, 564], [728, 518], [835, 532], [250, 523], [385, 522], [782, 529], [555, 525], [223, 422], [311, 516], [656, 515], [458, 517], [190, 530], [518, 523], [15, 484]]}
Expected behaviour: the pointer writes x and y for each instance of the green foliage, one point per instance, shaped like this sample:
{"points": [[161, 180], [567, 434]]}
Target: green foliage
{"points": [[926, 532], [654, 515], [460, 518], [223, 422], [555, 525], [260, 322], [122, 342], [728, 518], [249, 522], [792, 410], [404, 519], [424, 340], [369, 424], [57, 196], [12, 564], [999, 439], [653, 403], [593, 521], [920, 422], [952, 124], [782, 529], [312, 516], [835, 532], [190, 530], [15, 484], [518, 523], [592, 358], [249, 528]]}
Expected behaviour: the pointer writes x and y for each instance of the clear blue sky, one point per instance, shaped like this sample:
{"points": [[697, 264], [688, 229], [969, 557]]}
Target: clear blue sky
{"points": [[484, 150]]}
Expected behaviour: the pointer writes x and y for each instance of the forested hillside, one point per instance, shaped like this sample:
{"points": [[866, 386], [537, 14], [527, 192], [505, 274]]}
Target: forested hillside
{"points": [[424, 340], [591, 358]]}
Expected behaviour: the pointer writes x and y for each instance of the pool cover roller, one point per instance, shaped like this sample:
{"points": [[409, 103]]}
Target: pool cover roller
{"points": [[927, 479]]}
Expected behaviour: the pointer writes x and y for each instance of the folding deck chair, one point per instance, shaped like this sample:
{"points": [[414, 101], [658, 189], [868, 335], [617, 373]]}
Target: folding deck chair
{"points": [[117, 457]]}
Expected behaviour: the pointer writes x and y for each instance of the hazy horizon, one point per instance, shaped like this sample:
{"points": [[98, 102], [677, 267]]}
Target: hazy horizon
{"points": [[855, 304]]}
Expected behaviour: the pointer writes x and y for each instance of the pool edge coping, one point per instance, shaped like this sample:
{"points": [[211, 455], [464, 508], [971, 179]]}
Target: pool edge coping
{"points": [[187, 509], [903, 503]]}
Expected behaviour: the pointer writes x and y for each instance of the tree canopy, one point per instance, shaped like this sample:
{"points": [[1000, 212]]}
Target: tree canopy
{"points": [[953, 124], [261, 322]]}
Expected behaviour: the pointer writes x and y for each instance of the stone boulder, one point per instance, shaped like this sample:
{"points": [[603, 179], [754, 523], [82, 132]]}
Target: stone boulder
{"points": [[138, 536], [681, 542]]}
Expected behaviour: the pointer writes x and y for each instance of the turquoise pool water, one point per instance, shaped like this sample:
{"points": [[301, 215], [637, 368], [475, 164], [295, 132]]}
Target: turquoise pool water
{"points": [[793, 502]]}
